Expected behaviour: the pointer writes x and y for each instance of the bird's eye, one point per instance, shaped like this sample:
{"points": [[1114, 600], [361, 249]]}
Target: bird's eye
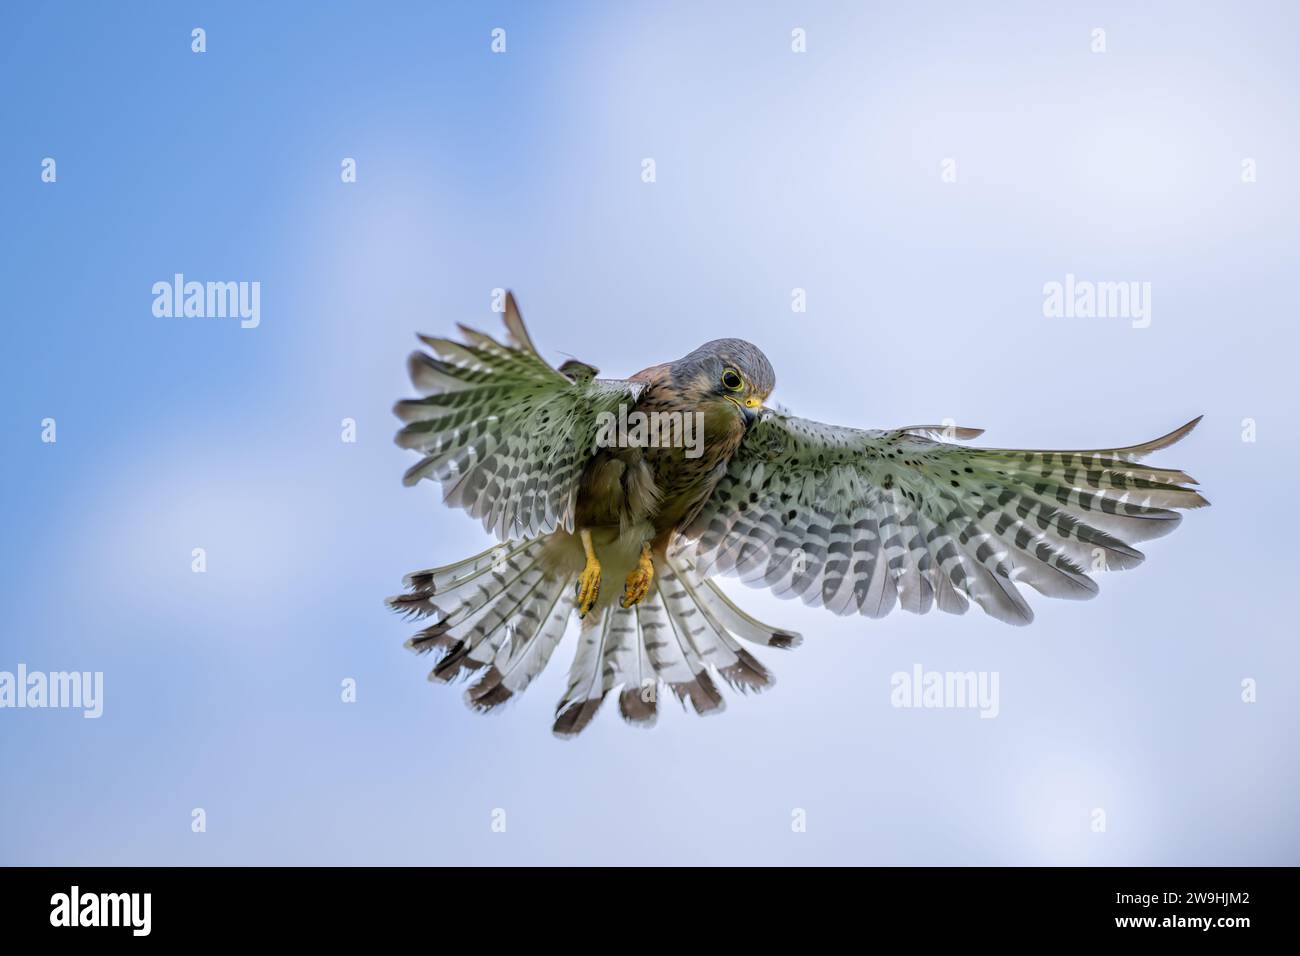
{"points": [[732, 381]]}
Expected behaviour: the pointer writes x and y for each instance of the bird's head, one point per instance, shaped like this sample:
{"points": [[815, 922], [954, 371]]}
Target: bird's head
{"points": [[726, 372]]}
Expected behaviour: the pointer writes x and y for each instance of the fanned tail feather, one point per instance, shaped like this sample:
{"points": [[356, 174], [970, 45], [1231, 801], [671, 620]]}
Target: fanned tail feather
{"points": [[681, 636], [502, 613], [502, 593]]}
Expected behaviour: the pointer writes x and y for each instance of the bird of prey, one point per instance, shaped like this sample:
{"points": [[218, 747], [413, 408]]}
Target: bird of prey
{"points": [[629, 532]]}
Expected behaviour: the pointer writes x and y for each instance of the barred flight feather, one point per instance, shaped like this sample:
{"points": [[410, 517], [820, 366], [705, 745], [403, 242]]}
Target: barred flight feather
{"points": [[505, 434], [863, 521]]}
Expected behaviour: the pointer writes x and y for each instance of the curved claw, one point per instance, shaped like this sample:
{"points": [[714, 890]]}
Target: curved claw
{"points": [[588, 589], [637, 585]]}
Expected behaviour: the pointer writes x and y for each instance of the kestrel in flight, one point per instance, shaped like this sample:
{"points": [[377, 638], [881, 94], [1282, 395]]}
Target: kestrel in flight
{"points": [[859, 521]]}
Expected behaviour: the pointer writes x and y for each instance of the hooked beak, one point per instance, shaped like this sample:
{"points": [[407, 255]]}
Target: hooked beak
{"points": [[749, 407]]}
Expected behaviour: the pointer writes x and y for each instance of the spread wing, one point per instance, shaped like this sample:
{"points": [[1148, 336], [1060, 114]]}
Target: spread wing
{"points": [[505, 434], [863, 520]]}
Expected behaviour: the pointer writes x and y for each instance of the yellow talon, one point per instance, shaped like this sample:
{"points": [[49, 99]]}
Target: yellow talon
{"points": [[637, 585], [589, 579]]}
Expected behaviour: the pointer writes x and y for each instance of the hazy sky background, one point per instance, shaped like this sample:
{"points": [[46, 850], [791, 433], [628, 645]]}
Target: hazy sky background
{"points": [[775, 170]]}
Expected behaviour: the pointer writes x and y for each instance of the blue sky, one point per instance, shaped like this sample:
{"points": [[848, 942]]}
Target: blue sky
{"points": [[774, 171]]}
